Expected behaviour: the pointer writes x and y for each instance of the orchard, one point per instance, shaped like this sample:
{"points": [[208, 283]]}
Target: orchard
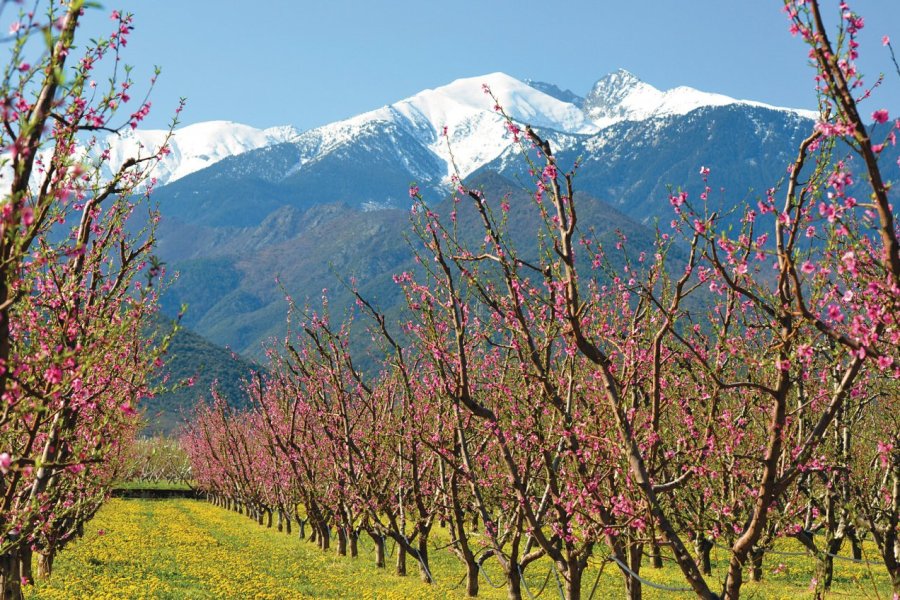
{"points": [[74, 356], [728, 387], [558, 403]]}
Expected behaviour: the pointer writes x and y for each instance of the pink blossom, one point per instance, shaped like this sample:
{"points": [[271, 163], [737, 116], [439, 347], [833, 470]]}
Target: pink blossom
{"points": [[834, 313], [885, 40], [808, 268], [884, 451], [880, 116], [5, 462], [53, 375]]}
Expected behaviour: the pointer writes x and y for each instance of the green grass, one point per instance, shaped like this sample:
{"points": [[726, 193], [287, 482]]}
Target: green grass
{"points": [[152, 485], [190, 549]]}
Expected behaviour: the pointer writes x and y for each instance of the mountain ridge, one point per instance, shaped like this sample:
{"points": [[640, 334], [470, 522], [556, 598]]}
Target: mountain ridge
{"points": [[456, 124]]}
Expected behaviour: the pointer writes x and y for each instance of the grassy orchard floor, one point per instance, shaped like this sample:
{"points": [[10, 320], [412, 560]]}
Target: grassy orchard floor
{"points": [[190, 549], [153, 485]]}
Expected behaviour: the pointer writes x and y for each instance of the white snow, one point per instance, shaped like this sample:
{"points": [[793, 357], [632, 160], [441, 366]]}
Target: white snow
{"points": [[193, 147], [476, 132], [621, 96]]}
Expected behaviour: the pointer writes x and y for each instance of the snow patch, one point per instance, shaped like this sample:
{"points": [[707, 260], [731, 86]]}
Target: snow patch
{"points": [[193, 147]]}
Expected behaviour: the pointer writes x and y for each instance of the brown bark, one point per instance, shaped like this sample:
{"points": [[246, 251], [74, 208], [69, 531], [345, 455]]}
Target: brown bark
{"points": [[424, 573], [472, 579], [342, 541], [703, 548], [756, 564], [379, 550], [44, 564], [513, 584], [353, 539], [572, 577], [401, 561]]}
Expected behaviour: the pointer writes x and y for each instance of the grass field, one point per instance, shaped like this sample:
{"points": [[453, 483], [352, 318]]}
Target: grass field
{"points": [[190, 549], [153, 485]]}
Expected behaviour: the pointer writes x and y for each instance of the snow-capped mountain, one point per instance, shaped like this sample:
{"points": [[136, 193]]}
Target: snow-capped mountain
{"points": [[295, 206], [193, 147], [621, 96], [429, 137], [475, 131]]}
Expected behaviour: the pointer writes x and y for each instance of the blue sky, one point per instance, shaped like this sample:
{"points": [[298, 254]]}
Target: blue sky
{"points": [[306, 63]]}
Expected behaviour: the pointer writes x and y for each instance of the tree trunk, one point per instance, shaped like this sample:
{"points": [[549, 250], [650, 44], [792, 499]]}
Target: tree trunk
{"points": [[633, 589], [401, 561], [280, 521], [424, 569], [44, 567], [353, 538], [25, 561], [10, 582], [513, 583], [824, 573], [656, 554], [471, 579], [573, 574], [735, 578], [756, 564], [703, 547], [855, 545], [379, 550], [342, 541], [268, 518]]}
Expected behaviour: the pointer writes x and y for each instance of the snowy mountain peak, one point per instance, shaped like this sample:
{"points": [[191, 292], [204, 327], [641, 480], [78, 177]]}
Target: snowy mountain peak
{"points": [[622, 96], [620, 79], [476, 132], [410, 133], [195, 146], [459, 100]]}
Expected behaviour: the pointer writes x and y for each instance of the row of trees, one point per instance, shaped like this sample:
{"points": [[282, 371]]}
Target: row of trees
{"points": [[728, 386], [74, 302], [157, 460]]}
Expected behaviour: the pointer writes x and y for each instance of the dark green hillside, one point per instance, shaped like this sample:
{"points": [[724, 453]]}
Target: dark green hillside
{"points": [[191, 356], [232, 295]]}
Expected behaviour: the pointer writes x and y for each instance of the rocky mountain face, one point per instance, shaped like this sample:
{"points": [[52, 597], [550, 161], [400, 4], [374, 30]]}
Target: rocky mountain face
{"points": [[309, 208]]}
